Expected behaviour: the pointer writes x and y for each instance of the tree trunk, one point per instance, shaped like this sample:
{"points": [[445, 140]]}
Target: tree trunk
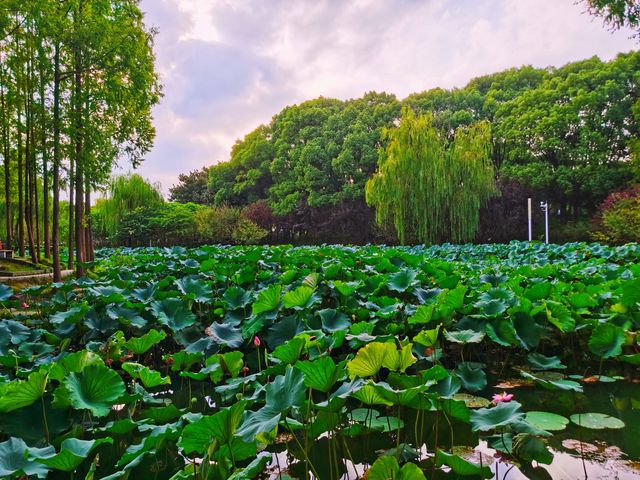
{"points": [[5, 151], [55, 232], [79, 181], [90, 257]]}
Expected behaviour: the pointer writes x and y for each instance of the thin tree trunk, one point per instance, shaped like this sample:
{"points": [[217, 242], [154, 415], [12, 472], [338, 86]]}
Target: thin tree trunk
{"points": [[70, 241], [90, 257], [55, 232], [21, 249], [45, 176], [7, 172], [79, 181]]}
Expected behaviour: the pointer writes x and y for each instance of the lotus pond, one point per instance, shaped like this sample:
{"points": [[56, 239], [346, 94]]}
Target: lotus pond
{"points": [[330, 362]]}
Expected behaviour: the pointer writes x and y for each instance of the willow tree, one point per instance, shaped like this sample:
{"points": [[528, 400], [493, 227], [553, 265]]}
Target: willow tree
{"points": [[430, 186]]}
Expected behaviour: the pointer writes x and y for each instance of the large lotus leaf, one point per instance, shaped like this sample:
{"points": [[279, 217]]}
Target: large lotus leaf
{"points": [[346, 288], [630, 291], [126, 316], [73, 315], [74, 362], [236, 297], [333, 320], [15, 332], [197, 436], [145, 294], [196, 288], [423, 314], [225, 334], [149, 378], [538, 291], [473, 379], [264, 420], [447, 387], [72, 453], [369, 359], [606, 340], [173, 313], [300, 298], [528, 331], [15, 459], [140, 345], [402, 280], [462, 467], [253, 469], [546, 420], [399, 360], [232, 362], [183, 360], [18, 394], [369, 394], [284, 330], [402, 396], [384, 468], [596, 421], [560, 316], [493, 278], [320, 374], [529, 448], [502, 332], [96, 388], [464, 336], [286, 391], [553, 384], [268, 300], [541, 362], [491, 308], [428, 338], [5, 292], [289, 352], [502, 415]]}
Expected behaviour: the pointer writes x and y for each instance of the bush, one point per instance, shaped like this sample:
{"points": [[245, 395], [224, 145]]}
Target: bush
{"points": [[618, 220], [247, 232]]}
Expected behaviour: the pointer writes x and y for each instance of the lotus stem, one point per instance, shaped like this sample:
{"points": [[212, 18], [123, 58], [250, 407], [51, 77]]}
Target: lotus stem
{"points": [[44, 421], [304, 452]]}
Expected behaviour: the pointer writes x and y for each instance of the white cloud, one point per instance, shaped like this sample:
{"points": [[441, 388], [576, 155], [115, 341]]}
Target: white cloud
{"points": [[229, 65]]}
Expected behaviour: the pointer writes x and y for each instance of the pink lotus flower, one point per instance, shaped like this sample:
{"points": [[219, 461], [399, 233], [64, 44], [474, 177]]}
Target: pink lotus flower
{"points": [[502, 397], [25, 305], [256, 341]]}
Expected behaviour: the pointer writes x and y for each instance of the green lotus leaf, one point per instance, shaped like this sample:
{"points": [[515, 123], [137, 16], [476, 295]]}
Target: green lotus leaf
{"points": [[290, 352], [464, 336], [195, 288], [14, 332], [16, 459], [528, 332], [402, 280], [140, 345], [423, 314], [428, 338], [173, 313], [197, 436], [491, 308], [462, 467], [73, 315], [471, 401], [399, 360], [284, 330], [183, 360], [541, 362], [546, 420], [560, 316], [529, 448], [630, 293], [370, 395], [384, 468], [606, 340], [22, 393], [596, 421], [502, 415], [300, 298], [502, 332], [333, 320], [473, 379], [447, 387], [320, 374], [538, 291], [346, 288], [6, 292], [549, 384], [236, 297], [149, 378], [126, 316], [74, 362], [95, 388], [268, 300], [225, 334], [369, 359], [72, 453], [253, 469]]}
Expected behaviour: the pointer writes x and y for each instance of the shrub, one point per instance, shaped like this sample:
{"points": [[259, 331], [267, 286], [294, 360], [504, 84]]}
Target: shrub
{"points": [[247, 232], [216, 224], [618, 220]]}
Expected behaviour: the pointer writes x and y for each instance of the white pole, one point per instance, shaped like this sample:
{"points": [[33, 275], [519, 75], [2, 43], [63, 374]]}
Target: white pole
{"points": [[546, 222], [529, 216]]}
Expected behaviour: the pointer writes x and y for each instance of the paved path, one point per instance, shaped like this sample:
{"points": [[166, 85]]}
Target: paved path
{"points": [[37, 278]]}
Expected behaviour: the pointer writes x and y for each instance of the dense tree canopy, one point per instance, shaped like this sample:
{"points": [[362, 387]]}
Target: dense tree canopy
{"points": [[565, 134]]}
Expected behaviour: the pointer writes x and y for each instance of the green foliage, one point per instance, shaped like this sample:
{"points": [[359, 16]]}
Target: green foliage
{"points": [[449, 181]]}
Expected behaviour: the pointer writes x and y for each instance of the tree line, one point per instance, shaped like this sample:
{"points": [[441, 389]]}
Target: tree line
{"points": [[568, 135], [77, 83]]}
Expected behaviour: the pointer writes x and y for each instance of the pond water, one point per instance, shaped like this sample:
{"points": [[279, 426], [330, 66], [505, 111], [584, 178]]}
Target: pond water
{"points": [[579, 453]]}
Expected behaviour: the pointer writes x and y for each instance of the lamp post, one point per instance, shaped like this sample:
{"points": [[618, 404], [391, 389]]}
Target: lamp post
{"points": [[544, 206]]}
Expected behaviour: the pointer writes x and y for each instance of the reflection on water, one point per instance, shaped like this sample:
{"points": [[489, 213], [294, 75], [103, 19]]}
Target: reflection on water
{"points": [[579, 453]]}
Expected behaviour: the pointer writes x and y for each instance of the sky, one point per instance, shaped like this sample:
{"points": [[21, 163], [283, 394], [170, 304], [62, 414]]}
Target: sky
{"points": [[228, 66]]}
